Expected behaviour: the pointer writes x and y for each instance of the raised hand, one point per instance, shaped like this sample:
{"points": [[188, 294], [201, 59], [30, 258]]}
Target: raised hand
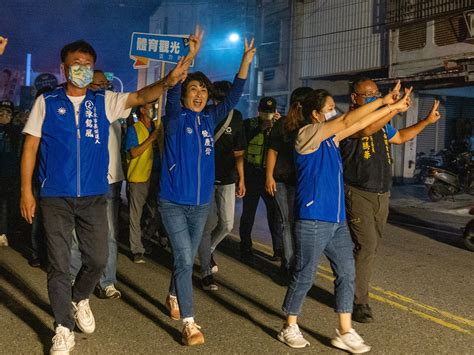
{"points": [[3, 44], [408, 103], [178, 74], [393, 96], [249, 51], [195, 41], [434, 114], [403, 104]]}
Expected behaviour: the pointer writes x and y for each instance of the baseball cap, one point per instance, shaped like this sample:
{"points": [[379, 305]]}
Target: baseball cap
{"points": [[267, 104], [7, 104]]}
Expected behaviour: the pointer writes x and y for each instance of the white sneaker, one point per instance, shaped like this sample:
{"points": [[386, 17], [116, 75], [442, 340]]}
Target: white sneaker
{"points": [[84, 317], [292, 336], [350, 341], [63, 341], [3, 240], [110, 292]]}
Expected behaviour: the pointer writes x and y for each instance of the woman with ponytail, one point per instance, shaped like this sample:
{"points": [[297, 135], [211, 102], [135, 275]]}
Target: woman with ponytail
{"points": [[280, 171], [320, 221]]}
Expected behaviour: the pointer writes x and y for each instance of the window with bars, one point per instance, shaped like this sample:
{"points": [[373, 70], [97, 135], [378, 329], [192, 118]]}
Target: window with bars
{"points": [[400, 12]]}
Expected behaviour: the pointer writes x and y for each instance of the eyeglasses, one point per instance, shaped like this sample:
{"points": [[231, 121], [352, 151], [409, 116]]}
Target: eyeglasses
{"points": [[370, 94]]}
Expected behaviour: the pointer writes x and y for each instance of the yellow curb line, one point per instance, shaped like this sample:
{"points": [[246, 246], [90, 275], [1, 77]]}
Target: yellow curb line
{"points": [[265, 248]]}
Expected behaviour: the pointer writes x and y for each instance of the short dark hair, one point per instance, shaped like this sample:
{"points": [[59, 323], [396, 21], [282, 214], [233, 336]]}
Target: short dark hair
{"points": [[221, 89], [199, 77], [98, 71], [314, 101], [359, 80], [78, 46]]}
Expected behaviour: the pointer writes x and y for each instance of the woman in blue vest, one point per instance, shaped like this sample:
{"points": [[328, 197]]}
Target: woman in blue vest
{"points": [[320, 225], [187, 179]]}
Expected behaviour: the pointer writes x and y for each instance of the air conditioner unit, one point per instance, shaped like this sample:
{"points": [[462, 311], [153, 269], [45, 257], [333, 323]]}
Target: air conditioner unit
{"points": [[469, 17]]}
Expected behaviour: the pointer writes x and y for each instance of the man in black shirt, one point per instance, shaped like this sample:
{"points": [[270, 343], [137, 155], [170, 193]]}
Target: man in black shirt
{"points": [[257, 131], [229, 157], [368, 178]]}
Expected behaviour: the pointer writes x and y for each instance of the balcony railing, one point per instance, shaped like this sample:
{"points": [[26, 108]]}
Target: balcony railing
{"points": [[400, 12]]}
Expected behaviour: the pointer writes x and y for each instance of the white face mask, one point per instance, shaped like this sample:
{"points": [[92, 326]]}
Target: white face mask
{"points": [[330, 115]]}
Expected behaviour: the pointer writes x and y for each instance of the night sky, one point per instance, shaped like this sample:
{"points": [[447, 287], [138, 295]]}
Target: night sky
{"points": [[42, 28]]}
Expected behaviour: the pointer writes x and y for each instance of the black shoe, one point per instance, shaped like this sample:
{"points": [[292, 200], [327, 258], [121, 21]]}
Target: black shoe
{"points": [[138, 258], [208, 283], [283, 276], [35, 262], [362, 313], [148, 245], [275, 257], [246, 255]]}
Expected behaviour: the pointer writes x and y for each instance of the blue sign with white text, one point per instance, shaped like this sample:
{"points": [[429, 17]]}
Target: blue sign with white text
{"points": [[163, 48]]}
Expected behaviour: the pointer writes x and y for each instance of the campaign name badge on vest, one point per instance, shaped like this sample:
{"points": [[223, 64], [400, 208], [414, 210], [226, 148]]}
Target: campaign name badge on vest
{"points": [[208, 142], [92, 127]]}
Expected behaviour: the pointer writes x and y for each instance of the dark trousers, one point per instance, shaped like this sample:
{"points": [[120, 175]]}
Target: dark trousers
{"points": [[367, 214], [88, 215], [255, 184], [8, 204]]}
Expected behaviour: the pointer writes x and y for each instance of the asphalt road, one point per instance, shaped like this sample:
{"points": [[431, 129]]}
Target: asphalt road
{"points": [[422, 297]]}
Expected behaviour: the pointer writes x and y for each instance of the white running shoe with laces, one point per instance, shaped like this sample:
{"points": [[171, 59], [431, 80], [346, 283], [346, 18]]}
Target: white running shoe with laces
{"points": [[350, 341], [63, 341], [3, 240], [84, 318], [292, 336], [111, 292]]}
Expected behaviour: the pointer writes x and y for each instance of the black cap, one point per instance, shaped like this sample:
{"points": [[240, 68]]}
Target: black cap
{"points": [[7, 104], [267, 104]]}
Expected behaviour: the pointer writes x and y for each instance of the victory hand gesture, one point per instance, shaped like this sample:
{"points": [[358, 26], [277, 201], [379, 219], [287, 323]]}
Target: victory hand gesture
{"points": [[434, 114], [195, 41], [249, 51], [178, 74], [407, 91], [403, 104], [393, 96]]}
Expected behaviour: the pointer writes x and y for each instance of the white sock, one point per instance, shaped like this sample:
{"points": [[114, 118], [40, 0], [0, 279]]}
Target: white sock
{"points": [[188, 320]]}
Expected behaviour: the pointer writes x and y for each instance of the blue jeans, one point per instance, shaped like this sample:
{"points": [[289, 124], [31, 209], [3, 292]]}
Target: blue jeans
{"points": [[219, 224], [285, 198], [313, 238], [109, 276], [185, 225]]}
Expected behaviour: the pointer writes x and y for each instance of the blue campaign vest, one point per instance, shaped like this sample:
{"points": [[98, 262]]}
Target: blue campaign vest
{"points": [[74, 160], [187, 171], [320, 187]]}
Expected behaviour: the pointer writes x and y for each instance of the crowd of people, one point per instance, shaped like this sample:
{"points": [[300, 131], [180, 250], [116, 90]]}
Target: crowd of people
{"points": [[324, 176]]}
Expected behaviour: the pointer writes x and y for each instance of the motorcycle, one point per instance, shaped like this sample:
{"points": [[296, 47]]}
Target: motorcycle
{"points": [[442, 182], [425, 162], [468, 235]]}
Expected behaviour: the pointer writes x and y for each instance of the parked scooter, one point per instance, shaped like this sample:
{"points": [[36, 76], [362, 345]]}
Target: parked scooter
{"points": [[469, 232], [441, 183], [425, 162]]}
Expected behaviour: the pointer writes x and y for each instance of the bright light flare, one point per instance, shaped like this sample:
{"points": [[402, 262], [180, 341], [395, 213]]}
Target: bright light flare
{"points": [[234, 37]]}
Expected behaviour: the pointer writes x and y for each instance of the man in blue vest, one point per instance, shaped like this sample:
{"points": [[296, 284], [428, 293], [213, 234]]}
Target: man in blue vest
{"points": [[70, 127]]}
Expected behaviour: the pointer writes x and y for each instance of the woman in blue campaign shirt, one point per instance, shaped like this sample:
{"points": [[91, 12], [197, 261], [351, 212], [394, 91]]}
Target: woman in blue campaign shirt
{"points": [[187, 178], [319, 210]]}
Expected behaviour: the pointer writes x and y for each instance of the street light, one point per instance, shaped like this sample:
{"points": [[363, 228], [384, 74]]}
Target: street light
{"points": [[234, 37]]}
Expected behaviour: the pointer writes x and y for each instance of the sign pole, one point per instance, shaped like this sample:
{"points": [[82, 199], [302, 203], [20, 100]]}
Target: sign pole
{"points": [[160, 102], [158, 123]]}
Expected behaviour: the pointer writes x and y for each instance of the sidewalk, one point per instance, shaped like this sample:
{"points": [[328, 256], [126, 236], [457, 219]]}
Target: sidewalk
{"points": [[404, 196]]}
